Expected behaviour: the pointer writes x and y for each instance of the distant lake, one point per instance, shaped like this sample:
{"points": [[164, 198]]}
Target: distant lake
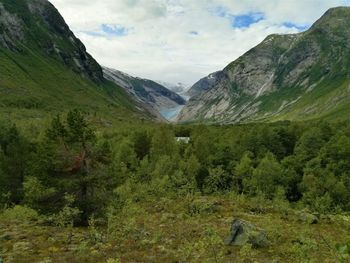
{"points": [[170, 114]]}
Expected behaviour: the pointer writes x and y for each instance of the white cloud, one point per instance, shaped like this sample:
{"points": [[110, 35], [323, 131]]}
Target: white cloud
{"points": [[159, 44]]}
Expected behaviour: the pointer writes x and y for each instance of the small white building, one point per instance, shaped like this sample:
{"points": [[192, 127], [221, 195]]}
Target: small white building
{"points": [[183, 139]]}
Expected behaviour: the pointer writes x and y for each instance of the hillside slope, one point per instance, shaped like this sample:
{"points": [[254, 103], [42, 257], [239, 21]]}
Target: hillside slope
{"points": [[45, 69], [286, 77], [203, 84]]}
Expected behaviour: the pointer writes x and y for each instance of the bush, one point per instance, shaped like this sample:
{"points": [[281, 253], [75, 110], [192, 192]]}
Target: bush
{"points": [[218, 180], [20, 213], [69, 214], [344, 252], [35, 193], [200, 207]]}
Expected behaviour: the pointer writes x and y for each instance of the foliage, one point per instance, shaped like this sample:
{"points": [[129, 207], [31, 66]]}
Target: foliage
{"points": [[21, 213], [308, 162], [344, 251], [74, 173], [68, 215]]}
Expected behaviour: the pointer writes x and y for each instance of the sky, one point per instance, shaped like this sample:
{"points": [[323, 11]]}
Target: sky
{"points": [[182, 40]]}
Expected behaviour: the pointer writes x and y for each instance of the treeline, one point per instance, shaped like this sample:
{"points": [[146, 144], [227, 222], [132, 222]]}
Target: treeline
{"points": [[75, 168]]}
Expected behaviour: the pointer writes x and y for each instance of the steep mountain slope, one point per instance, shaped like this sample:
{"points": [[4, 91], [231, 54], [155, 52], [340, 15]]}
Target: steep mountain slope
{"points": [[295, 77], [153, 95], [179, 88], [45, 69], [203, 84]]}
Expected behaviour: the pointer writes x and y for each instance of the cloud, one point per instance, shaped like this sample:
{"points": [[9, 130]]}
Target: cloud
{"points": [[182, 40]]}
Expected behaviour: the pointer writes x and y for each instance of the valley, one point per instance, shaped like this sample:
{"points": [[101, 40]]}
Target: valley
{"points": [[250, 164], [172, 113]]}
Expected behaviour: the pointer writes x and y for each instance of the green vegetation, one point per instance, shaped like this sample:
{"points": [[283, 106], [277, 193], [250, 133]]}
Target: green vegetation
{"points": [[50, 86], [131, 193]]}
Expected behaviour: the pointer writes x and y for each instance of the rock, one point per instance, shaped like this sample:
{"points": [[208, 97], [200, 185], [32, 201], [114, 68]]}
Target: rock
{"points": [[204, 84], [243, 232], [307, 218]]}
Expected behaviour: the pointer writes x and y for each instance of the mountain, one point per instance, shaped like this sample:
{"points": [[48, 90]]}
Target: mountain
{"points": [[153, 95], [203, 84], [45, 69], [286, 77], [179, 87]]}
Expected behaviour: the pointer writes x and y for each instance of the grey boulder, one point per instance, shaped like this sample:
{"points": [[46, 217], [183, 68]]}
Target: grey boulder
{"points": [[243, 232]]}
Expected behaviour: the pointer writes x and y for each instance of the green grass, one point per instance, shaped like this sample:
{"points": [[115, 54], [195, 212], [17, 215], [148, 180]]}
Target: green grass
{"points": [[188, 229]]}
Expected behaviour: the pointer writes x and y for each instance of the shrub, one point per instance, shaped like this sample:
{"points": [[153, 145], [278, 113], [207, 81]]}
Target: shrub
{"points": [[35, 192], [344, 252], [21, 213], [218, 180], [69, 214]]}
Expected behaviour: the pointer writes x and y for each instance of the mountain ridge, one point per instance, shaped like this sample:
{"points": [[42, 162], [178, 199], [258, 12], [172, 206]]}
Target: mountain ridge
{"points": [[39, 25], [45, 68], [275, 79], [151, 94]]}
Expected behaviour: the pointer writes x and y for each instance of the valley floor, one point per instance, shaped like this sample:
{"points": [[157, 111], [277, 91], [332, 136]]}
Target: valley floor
{"points": [[190, 229]]}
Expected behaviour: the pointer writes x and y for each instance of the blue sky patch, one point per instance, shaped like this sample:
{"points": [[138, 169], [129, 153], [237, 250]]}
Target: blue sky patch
{"points": [[114, 30], [107, 30], [299, 27], [245, 20], [237, 21]]}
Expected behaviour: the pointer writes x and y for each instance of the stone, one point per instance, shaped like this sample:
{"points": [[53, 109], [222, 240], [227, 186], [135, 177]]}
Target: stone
{"points": [[243, 232], [307, 218]]}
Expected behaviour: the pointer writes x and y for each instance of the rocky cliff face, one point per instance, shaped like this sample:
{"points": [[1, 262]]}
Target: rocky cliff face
{"points": [[37, 25], [299, 76], [148, 92], [203, 84], [178, 88]]}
